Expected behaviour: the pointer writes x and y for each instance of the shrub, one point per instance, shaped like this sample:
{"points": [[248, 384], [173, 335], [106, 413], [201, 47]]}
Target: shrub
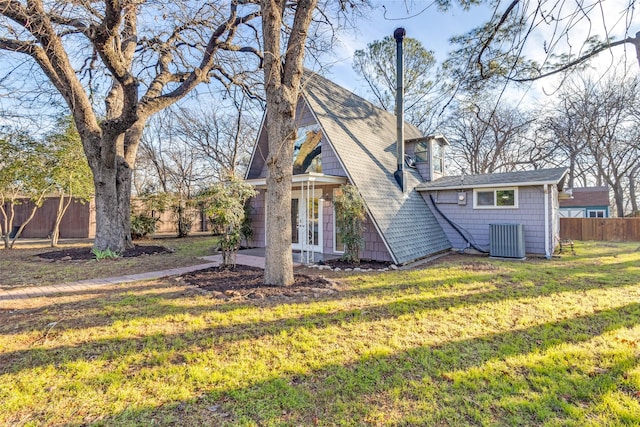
{"points": [[183, 214], [350, 217], [143, 225], [104, 254], [224, 205]]}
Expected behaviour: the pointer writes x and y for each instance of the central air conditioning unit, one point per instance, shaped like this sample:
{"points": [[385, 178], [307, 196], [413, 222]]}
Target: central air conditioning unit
{"points": [[506, 240]]}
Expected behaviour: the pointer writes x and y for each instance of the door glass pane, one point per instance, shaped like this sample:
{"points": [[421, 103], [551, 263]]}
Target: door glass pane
{"points": [[312, 214], [337, 232], [294, 220]]}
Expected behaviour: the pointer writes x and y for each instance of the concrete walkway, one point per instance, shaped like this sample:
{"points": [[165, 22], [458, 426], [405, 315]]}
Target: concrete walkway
{"points": [[84, 285]]}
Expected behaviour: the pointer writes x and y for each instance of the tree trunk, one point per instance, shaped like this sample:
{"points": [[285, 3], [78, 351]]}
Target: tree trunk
{"points": [[283, 76], [113, 202], [36, 204], [632, 191], [278, 260], [112, 175], [62, 209], [618, 195], [4, 226]]}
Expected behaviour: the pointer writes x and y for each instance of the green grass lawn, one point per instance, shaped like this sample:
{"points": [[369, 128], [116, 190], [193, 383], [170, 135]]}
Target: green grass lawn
{"points": [[467, 341], [20, 267]]}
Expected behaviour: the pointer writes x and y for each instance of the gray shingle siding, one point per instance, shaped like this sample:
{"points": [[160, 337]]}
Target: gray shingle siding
{"points": [[258, 220], [530, 212], [330, 163], [363, 138]]}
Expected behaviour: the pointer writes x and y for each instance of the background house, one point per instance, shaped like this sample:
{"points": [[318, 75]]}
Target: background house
{"points": [[587, 202]]}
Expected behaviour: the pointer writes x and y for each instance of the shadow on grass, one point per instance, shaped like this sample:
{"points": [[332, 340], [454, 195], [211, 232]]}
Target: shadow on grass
{"points": [[356, 392], [161, 299], [130, 307], [599, 249]]}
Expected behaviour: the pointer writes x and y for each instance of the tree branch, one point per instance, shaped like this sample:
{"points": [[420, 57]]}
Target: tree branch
{"points": [[635, 41], [486, 44]]}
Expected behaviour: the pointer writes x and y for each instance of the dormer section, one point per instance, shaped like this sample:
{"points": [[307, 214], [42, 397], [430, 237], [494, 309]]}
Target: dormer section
{"points": [[428, 155]]}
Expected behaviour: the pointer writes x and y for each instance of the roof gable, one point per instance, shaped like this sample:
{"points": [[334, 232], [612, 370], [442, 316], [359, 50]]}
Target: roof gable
{"points": [[363, 138]]}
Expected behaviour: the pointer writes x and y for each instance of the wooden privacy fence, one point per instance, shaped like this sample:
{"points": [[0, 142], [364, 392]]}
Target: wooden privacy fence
{"points": [[80, 219], [603, 229], [78, 223]]}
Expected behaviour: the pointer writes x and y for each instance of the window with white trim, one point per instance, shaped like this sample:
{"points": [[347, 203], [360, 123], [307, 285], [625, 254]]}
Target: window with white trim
{"points": [[595, 213], [421, 152], [495, 198], [438, 158]]}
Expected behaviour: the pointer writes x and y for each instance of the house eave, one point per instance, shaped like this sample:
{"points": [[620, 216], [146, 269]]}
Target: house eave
{"points": [[316, 178], [423, 187], [439, 137]]}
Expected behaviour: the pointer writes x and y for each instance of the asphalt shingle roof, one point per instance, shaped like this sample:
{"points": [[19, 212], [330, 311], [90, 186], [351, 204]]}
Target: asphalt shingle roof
{"points": [[363, 137], [587, 196], [520, 178]]}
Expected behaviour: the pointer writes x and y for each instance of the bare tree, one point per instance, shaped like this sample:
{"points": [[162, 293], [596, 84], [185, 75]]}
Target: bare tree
{"points": [[486, 139], [563, 35], [560, 127], [186, 149], [596, 127], [222, 136], [147, 56], [176, 167], [615, 139]]}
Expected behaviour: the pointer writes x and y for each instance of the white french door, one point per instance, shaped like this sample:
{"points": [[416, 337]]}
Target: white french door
{"points": [[306, 222]]}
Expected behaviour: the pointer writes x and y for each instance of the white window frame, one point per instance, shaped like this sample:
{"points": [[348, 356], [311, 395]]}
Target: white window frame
{"points": [[596, 211], [495, 197], [423, 151], [439, 160]]}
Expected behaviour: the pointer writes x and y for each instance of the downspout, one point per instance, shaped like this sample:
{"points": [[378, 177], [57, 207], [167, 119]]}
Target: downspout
{"points": [[457, 228], [547, 250], [399, 34]]}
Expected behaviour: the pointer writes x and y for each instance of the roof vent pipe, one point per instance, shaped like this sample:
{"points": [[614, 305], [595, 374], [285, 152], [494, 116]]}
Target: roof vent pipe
{"points": [[399, 34]]}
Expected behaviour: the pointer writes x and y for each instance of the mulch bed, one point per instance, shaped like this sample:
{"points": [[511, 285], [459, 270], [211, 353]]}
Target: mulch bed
{"points": [[243, 282], [364, 264], [84, 254]]}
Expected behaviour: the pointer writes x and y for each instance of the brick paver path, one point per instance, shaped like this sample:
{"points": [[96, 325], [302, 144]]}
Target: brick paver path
{"points": [[83, 285]]}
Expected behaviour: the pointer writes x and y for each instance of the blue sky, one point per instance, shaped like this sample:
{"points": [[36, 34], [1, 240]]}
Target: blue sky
{"points": [[434, 28], [427, 24]]}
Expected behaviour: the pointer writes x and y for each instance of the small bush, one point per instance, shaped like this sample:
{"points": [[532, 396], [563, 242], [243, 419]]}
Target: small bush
{"points": [[183, 216], [224, 205], [104, 254], [143, 225], [350, 217]]}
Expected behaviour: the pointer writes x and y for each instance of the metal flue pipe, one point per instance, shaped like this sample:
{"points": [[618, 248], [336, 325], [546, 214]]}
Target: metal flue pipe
{"points": [[399, 34]]}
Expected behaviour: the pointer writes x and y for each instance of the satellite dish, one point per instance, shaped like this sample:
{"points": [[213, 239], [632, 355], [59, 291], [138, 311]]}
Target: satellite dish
{"points": [[410, 161]]}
